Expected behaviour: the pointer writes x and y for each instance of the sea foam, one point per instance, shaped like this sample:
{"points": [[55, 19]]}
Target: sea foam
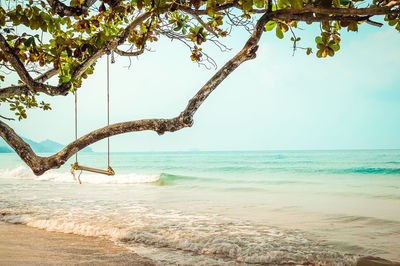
{"points": [[22, 172], [229, 242]]}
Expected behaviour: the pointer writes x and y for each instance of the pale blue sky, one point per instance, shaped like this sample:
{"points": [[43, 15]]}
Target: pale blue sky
{"points": [[277, 101]]}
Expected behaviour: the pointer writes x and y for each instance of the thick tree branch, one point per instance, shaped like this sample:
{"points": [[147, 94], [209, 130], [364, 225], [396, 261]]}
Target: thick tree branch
{"points": [[63, 10], [39, 165], [204, 12], [47, 75], [368, 11], [13, 90], [19, 67], [308, 17], [23, 89]]}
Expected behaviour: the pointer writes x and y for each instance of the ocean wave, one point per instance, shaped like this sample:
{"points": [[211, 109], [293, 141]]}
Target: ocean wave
{"points": [[368, 170], [22, 172], [202, 238], [170, 179], [63, 226]]}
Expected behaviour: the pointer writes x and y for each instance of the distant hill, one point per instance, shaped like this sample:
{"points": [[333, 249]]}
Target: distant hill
{"points": [[5, 150], [46, 146]]}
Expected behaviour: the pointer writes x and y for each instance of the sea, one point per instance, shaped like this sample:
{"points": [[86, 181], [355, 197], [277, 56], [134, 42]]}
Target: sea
{"points": [[220, 207]]}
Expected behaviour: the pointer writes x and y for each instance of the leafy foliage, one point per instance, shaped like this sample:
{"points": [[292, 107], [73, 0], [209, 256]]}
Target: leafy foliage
{"points": [[48, 34]]}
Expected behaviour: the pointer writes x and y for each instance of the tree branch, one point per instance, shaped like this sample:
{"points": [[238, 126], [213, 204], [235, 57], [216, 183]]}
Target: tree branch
{"points": [[7, 118], [310, 9], [374, 23], [131, 26], [23, 89], [63, 10], [36, 84], [125, 53], [205, 25], [39, 165], [204, 12], [19, 67], [308, 17]]}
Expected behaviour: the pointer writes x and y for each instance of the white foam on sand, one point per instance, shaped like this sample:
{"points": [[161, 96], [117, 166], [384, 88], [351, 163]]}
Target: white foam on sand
{"points": [[172, 237]]}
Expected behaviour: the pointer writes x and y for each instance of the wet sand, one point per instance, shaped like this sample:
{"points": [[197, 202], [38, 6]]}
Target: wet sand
{"points": [[22, 245]]}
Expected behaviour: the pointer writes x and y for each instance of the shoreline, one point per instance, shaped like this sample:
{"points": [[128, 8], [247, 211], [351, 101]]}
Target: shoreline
{"points": [[23, 245]]}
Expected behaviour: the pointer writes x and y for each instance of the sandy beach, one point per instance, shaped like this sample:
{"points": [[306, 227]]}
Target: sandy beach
{"points": [[22, 245]]}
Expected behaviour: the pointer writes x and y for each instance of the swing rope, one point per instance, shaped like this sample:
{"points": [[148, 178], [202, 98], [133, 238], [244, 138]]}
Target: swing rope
{"points": [[108, 108], [76, 166], [76, 120]]}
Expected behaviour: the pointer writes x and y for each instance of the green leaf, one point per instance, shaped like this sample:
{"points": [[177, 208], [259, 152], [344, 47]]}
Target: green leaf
{"points": [[318, 40], [259, 3], [279, 33], [335, 47], [326, 26], [65, 79], [353, 26], [211, 7], [393, 22], [270, 25], [69, 52], [296, 3], [324, 53], [29, 42], [283, 4], [331, 52], [336, 3], [247, 5]]}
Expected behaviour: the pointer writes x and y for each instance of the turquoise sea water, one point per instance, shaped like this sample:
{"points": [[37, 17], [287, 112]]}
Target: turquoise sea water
{"points": [[251, 207]]}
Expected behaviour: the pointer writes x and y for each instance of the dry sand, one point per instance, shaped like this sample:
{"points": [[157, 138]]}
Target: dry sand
{"points": [[22, 245]]}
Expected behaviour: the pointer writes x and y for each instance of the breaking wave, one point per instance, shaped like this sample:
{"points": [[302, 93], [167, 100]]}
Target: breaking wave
{"points": [[22, 172], [206, 239]]}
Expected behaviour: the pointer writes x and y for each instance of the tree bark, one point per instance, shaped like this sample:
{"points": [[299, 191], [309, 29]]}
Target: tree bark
{"points": [[63, 10]]}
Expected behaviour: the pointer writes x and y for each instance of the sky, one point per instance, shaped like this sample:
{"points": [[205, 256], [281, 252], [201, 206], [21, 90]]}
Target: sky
{"points": [[279, 101]]}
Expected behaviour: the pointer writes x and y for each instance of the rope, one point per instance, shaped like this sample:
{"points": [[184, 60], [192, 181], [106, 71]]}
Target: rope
{"points": [[76, 120], [108, 107], [110, 170], [112, 57]]}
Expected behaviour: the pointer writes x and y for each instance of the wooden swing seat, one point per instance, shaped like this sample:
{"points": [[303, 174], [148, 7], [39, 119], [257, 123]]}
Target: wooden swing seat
{"points": [[108, 172]]}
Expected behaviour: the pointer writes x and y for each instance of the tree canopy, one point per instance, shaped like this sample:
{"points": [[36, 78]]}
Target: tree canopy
{"points": [[52, 46]]}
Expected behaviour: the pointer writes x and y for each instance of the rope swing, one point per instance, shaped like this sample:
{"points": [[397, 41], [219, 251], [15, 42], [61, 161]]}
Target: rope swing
{"points": [[75, 166]]}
